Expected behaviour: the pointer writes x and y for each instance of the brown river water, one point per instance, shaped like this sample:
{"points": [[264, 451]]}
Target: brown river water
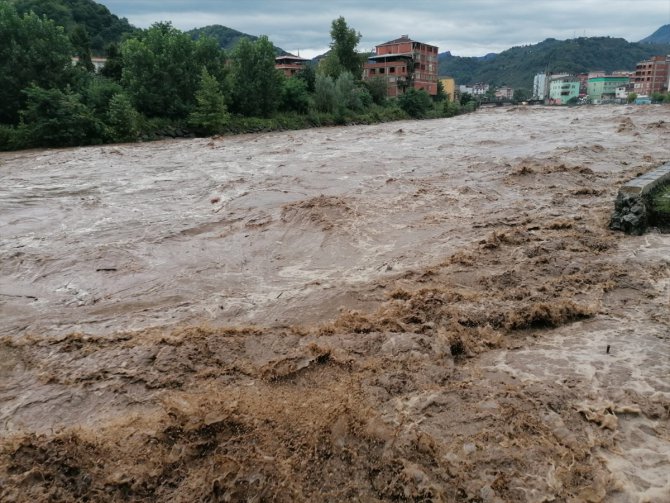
{"points": [[413, 311]]}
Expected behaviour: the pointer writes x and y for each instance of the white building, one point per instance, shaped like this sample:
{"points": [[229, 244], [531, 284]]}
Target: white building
{"points": [[540, 86], [621, 93], [465, 89]]}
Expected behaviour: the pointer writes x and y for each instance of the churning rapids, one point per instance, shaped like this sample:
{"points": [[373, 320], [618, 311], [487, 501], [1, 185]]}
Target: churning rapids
{"points": [[413, 311]]}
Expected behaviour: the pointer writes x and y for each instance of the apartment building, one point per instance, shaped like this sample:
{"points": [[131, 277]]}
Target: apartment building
{"points": [[404, 63], [651, 76], [563, 89], [604, 88], [289, 64]]}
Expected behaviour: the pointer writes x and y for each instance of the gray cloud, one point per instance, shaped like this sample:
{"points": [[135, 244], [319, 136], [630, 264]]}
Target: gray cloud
{"points": [[464, 27]]}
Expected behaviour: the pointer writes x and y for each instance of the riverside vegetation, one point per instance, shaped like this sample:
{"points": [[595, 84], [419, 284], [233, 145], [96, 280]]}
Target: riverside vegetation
{"points": [[160, 82]]}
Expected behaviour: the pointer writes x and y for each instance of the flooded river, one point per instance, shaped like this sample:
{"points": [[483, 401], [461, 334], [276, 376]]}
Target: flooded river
{"points": [[431, 310]]}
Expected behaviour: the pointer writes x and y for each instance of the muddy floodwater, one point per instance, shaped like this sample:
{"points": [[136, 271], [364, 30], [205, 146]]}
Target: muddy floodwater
{"points": [[413, 311]]}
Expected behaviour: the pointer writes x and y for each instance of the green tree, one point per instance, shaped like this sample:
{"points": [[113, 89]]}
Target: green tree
{"points": [[256, 84], [113, 68], [308, 75], [161, 70], [295, 97], [211, 114], [98, 94], [33, 50], [325, 96], [330, 65], [343, 45], [632, 97], [123, 119], [521, 95], [82, 47], [466, 98], [55, 118], [377, 89], [102, 26], [346, 93], [415, 103], [440, 95], [451, 108], [657, 97]]}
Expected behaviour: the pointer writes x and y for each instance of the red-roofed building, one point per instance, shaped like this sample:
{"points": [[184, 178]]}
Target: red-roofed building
{"points": [[404, 63], [289, 64]]}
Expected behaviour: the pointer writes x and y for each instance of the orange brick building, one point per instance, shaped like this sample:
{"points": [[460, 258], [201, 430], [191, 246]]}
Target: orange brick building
{"points": [[651, 76], [289, 64], [404, 63]]}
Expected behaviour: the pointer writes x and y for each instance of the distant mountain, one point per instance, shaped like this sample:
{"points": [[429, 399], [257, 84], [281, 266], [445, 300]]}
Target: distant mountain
{"points": [[226, 37], [516, 67], [660, 36], [102, 26]]}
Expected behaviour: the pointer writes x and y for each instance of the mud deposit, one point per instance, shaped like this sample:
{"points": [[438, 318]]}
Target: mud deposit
{"points": [[418, 311]]}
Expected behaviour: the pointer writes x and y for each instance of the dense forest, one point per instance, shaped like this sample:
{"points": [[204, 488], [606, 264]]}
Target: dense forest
{"points": [[161, 82], [102, 26], [517, 66]]}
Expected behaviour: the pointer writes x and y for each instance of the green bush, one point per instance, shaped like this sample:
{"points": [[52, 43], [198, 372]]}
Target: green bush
{"points": [[9, 138], [295, 97], [325, 95], [416, 103], [451, 108], [123, 119], [54, 118]]}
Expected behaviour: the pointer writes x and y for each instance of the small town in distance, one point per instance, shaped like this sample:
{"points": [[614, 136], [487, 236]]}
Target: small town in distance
{"points": [[407, 63]]}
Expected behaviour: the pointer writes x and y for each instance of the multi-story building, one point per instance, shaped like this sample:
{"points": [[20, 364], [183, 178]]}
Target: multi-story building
{"points": [[651, 76], [289, 64], [480, 89], [604, 88], [563, 89], [404, 63], [540, 86], [504, 93]]}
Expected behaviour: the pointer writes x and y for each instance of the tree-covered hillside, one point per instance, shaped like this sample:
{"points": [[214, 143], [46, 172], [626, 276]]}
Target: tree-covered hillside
{"points": [[102, 26], [226, 37], [516, 67]]}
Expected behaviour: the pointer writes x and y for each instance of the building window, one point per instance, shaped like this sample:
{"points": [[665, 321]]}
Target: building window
{"points": [[392, 69]]}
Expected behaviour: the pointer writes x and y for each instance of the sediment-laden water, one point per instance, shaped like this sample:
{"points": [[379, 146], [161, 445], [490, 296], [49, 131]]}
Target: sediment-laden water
{"points": [[417, 311]]}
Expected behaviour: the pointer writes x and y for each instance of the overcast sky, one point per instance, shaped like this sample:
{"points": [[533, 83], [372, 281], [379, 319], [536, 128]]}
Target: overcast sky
{"points": [[464, 27]]}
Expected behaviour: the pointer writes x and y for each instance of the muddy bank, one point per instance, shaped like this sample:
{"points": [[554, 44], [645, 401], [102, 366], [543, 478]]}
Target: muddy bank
{"points": [[366, 313]]}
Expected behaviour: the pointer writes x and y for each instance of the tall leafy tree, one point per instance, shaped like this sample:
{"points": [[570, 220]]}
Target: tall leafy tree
{"points": [[161, 71], [82, 47], [33, 50], [256, 84], [113, 68], [122, 118], [325, 94], [211, 114], [343, 45]]}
